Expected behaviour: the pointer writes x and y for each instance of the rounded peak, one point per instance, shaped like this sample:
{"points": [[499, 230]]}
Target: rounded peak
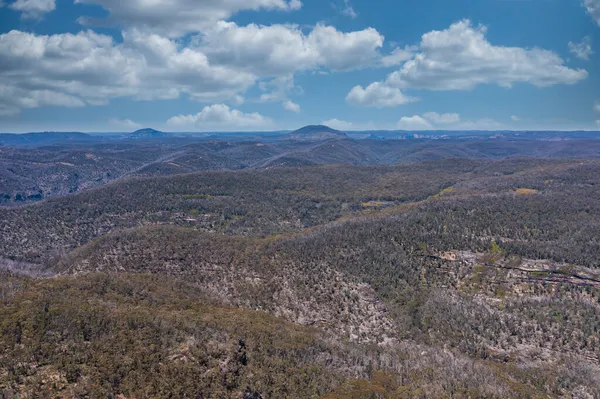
{"points": [[317, 130]]}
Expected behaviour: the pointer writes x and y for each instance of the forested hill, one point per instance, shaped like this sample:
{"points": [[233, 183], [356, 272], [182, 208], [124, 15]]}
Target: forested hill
{"points": [[449, 278], [62, 164]]}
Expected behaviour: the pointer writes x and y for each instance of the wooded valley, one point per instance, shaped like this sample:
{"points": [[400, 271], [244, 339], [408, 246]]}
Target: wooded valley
{"points": [[457, 277]]}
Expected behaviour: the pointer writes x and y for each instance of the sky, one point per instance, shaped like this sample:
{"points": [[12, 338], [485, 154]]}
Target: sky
{"points": [[249, 65]]}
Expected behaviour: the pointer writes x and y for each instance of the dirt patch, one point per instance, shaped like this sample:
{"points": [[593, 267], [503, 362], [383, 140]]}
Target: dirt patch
{"points": [[526, 191]]}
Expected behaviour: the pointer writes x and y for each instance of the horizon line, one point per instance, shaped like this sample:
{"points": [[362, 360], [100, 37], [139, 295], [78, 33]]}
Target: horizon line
{"points": [[98, 132]]}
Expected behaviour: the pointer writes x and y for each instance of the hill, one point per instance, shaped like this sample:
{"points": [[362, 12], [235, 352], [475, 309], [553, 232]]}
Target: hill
{"points": [[143, 134], [28, 175], [456, 278], [315, 133], [28, 140], [152, 336]]}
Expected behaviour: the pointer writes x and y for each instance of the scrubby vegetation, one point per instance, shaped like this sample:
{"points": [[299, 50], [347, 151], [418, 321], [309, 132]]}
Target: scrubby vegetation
{"points": [[454, 278], [147, 337], [151, 336]]}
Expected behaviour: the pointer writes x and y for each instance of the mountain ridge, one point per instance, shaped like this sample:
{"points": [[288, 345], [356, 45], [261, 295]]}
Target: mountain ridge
{"points": [[147, 133]]}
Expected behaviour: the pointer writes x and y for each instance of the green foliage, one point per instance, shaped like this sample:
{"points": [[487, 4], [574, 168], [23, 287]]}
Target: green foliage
{"points": [[495, 249]]}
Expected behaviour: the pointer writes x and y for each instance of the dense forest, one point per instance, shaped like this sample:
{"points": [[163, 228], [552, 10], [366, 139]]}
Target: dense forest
{"points": [[449, 278]]}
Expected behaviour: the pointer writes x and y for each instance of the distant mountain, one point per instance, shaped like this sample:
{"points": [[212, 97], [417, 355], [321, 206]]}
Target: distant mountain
{"points": [[148, 134], [316, 132], [373, 136], [38, 139]]}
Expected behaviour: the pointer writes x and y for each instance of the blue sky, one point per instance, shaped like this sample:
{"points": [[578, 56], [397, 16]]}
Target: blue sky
{"points": [[233, 65]]}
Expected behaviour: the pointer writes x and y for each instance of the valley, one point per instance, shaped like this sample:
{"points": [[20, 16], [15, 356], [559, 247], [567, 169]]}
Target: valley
{"points": [[47, 165], [299, 199]]}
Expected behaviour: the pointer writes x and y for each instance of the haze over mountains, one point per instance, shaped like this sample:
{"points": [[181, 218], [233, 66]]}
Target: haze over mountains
{"points": [[42, 165], [306, 133]]}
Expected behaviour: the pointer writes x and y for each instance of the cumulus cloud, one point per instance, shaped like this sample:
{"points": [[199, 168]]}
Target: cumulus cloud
{"points": [[278, 89], [67, 69], [343, 51], [398, 56], [378, 95], [270, 50], [282, 49], [176, 18], [515, 118], [583, 49], [433, 120], [597, 106], [461, 58], [33, 9], [442, 119], [219, 116], [237, 99], [291, 106], [217, 63], [593, 8], [13, 99], [217, 66], [413, 123]]}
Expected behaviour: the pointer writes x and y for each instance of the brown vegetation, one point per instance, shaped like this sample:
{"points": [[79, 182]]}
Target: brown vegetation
{"points": [[280, 283]]}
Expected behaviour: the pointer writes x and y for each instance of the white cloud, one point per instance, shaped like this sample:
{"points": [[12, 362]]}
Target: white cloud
{"points": [[277, 89], [33, 9], [125, 123], [269, 97], [413, 123], [377, 95], [344, 51], [67, 69], [348, 10], [515, 118], [219, 116], [398, 56], [433, 120], [237, 100], [593, 8], [442, 119], [218, 66], [176, 18], [13, 99], [598, 123], [338, 124], [582, 50], [461, 58], [291, 106], [283, 49], [597, 107], [268, 50]]}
